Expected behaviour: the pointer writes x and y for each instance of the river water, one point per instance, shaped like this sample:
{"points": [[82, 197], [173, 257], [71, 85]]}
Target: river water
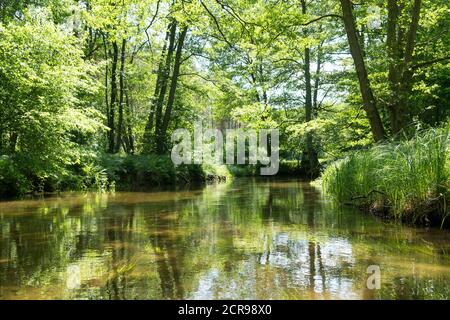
{"points": [[247, 239]]}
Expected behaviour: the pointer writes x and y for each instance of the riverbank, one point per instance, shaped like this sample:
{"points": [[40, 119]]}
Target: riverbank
{"points": [[406, 181], [107, 172], [110, 172]]}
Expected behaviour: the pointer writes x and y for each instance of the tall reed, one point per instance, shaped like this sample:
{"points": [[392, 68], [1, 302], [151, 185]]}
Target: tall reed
{"points": [[407, 180]]}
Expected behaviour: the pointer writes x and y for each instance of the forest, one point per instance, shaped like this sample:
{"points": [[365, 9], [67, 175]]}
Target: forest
{"points": [[91, 91]]}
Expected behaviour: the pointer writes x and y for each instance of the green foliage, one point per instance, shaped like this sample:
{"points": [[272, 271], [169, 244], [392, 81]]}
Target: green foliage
{"points": [[146, 171], [12, 182], [289, 168], [243, 65], [407, 180], [139, 171], [88, 175], [338, 129], [243, 171], [44, 124]]}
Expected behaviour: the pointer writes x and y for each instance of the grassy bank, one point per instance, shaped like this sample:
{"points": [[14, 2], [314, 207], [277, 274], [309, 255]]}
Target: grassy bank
{"points": [[106, 172], [407, 181]]}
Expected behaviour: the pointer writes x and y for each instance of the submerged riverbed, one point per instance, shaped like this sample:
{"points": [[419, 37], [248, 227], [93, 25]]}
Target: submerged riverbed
{"points": [[248, 239]]}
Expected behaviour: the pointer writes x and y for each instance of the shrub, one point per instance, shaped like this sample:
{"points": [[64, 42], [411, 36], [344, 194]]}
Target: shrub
{"points": [[12, 181], [144, 171]]}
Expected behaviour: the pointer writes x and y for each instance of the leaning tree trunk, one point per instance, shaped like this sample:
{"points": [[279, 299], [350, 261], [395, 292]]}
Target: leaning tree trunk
{"points": [[165, 79], [151, 115], [369, 103], [400, 73], [393, 52], [161, 136]]}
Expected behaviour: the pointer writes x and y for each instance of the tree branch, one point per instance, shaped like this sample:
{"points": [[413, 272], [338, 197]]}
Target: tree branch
{"points": [[428, 63], [217, 25], [331, 15]]}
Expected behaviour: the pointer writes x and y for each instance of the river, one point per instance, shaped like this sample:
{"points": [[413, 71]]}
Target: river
{"points": [[246, 239]]}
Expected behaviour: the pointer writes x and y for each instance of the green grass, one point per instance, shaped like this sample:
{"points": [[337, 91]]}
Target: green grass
{"points": [[407, 180]]}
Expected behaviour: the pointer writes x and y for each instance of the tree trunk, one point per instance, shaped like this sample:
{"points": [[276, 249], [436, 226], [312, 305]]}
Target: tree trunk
{"points": [[165, 78], [310, 162], [369, 103], [105, 47], [173, 88], [317, 80], [1, 141], [121, 97], [151, 116], [13, 141], [401, 81], [113, 100], [130, 138], [392, 44]]}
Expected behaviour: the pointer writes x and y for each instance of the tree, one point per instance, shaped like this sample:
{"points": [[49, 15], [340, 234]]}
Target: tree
{"points": [[310, 161], [400, 49], [166, 74], [45, 86], [368, 98], [162, 131]]}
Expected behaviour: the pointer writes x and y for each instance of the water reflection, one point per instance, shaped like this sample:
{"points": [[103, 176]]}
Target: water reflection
{"points": [[248, 239]]}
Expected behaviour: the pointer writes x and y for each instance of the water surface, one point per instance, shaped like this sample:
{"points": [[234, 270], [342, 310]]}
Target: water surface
{"points": [[249, 239]]}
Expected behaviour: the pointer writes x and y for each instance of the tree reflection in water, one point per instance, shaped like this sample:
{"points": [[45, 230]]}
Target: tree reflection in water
{"points": [[263, 239]]}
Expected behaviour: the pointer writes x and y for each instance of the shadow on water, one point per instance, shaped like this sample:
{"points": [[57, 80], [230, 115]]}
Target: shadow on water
{"points": [[249, 239]]}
